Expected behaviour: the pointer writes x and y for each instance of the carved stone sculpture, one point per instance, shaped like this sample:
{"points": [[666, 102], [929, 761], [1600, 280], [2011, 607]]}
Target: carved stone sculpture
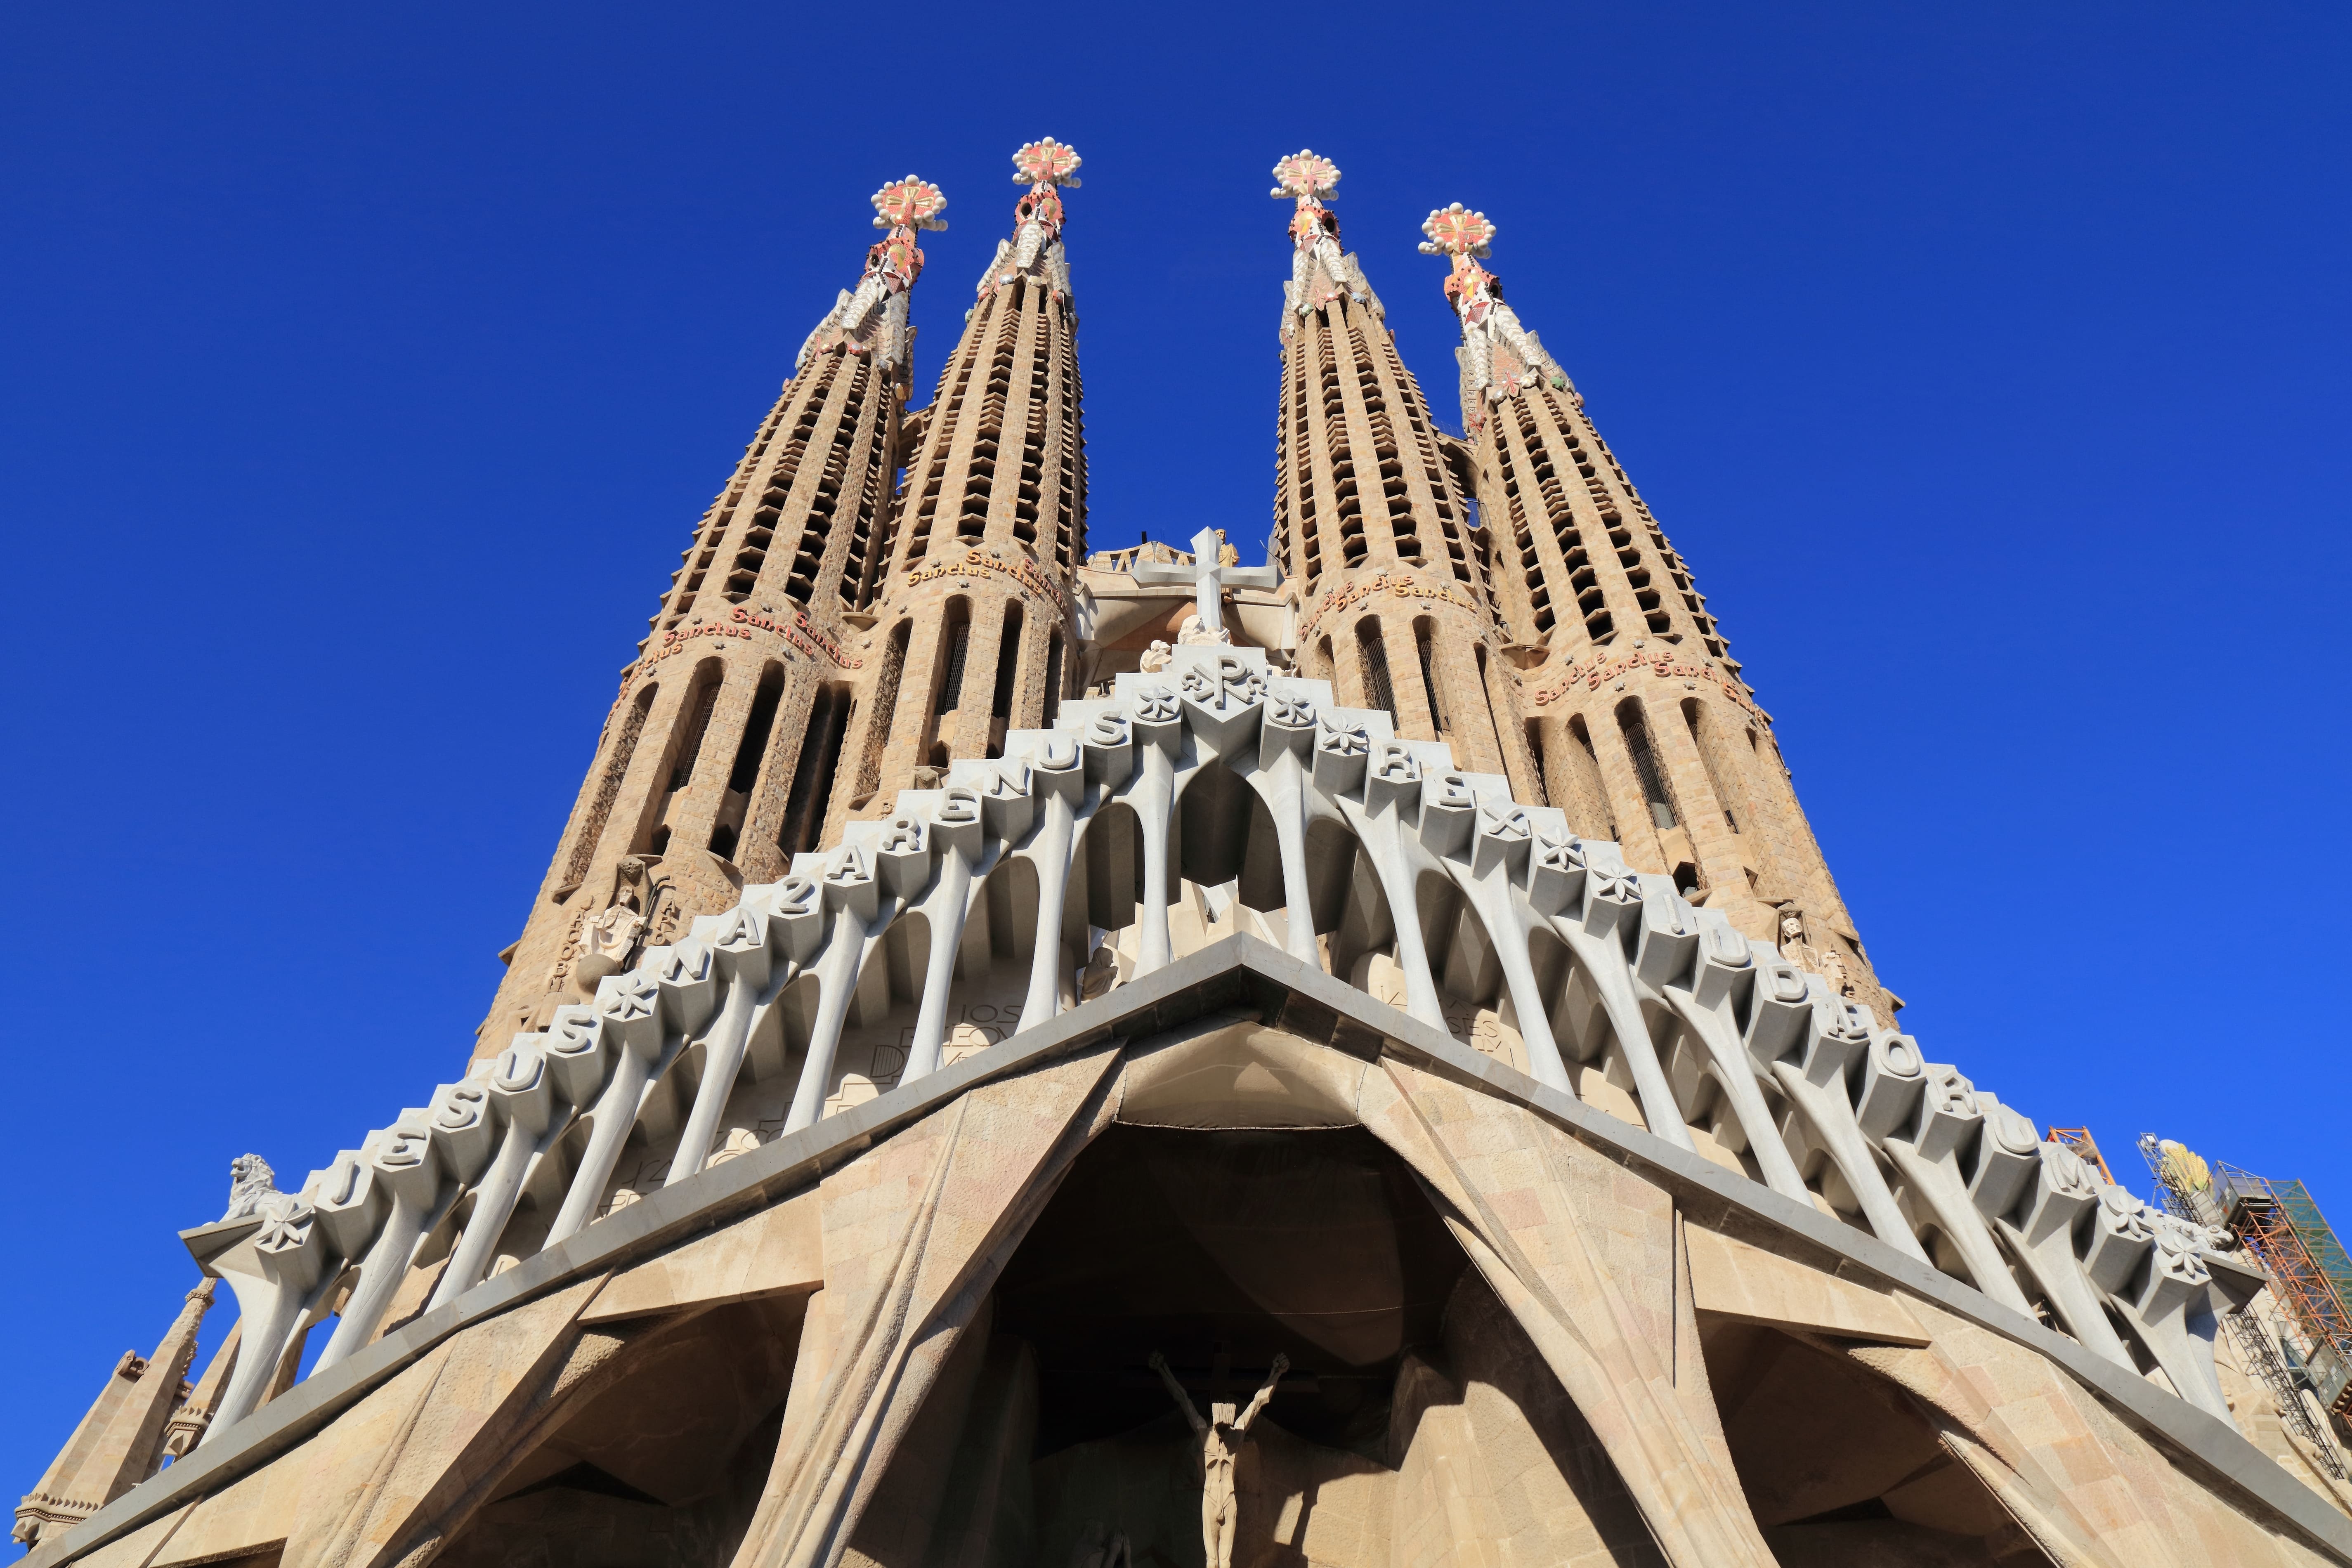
{"points": [[249, 1180], [1222, 1435], [1193, 633], [1821, 961], [1155, 658], [1099, 976]]}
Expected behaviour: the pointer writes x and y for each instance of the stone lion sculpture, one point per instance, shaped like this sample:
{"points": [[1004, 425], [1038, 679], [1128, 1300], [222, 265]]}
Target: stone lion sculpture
{"points": [[250, 1180]]}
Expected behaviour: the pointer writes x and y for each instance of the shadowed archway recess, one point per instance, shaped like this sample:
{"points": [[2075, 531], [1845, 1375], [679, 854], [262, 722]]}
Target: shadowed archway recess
{"points": [[1232, 1243]]}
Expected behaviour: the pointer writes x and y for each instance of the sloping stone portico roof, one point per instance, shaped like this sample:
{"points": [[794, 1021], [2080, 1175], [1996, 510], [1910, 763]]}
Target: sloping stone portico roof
{"points": [[1237, 978]]}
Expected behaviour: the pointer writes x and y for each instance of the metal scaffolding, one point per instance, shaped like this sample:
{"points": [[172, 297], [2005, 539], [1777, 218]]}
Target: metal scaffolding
{"points": [[2188, 1188]]}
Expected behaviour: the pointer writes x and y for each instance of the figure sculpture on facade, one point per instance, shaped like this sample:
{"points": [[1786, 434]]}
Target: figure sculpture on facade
{"points": [[1099, 976], [250, 1180], [1488, 323], [1221, 1437], [1821, 961], [873, 318], [1193, 633], [1155, 658], [606, 940]]}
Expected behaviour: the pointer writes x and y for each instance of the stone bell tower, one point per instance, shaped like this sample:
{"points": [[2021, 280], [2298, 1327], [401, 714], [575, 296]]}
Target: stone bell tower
{"points": [[1644, 731], [974, 632], [1370, 515], [716, 762]]}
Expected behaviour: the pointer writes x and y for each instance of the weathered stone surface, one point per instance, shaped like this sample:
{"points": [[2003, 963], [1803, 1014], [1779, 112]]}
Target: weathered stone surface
{"points": [[1734, 1279], [777, 1251]]}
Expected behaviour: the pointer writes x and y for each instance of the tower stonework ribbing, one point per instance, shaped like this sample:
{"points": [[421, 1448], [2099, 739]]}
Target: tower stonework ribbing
{"points": [[974, 632], [714, 764], [1395, 606], [1645, 731]]}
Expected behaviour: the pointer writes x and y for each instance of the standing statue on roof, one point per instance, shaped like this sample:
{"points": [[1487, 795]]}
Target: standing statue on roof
{"points": [[1035, 251], [1500, 356], [873, 319], [1319, 271]]}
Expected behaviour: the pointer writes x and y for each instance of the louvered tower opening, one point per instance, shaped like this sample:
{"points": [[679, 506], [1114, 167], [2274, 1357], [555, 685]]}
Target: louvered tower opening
{"points": [[751, 551], [980, 476], [947, 412]]}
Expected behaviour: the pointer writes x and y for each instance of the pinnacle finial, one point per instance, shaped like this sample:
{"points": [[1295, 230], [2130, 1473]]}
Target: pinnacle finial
{"points": [[1047, 161], [911, 202], [1305, 176], [1456, 231], [1500, 356], [873, 318]]}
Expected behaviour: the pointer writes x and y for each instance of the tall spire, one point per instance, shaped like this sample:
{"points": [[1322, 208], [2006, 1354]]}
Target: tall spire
{"points": [[120, 1442], [975, 624], [717, 758], [873, 318], [1370, 517], [1498, 356], [1644, 731]]}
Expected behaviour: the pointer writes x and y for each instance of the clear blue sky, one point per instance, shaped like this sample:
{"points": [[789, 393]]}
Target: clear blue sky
{"points": [[368, 365]]}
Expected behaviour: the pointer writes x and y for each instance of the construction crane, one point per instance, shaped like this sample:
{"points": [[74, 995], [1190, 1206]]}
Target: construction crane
{"points": [[2079, 1140]]}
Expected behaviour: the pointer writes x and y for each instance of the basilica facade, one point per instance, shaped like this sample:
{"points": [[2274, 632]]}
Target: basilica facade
{"points": [[1024, 1054]]}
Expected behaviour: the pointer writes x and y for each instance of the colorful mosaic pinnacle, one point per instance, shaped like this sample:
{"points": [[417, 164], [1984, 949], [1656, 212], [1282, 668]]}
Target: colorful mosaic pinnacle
{"points": [[1500, 356], [1305, 176], [911, 202], [1456, 231], [1047, 161]]}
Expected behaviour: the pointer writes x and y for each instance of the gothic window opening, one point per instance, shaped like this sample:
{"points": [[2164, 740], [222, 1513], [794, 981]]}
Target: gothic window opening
{"points": [[754, 744], [608, 789], [884, 710], [1008, 680], [1637, 729], [1425, 646], [955, 642], [812, 772], [1372, 656], [698, 724]]}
